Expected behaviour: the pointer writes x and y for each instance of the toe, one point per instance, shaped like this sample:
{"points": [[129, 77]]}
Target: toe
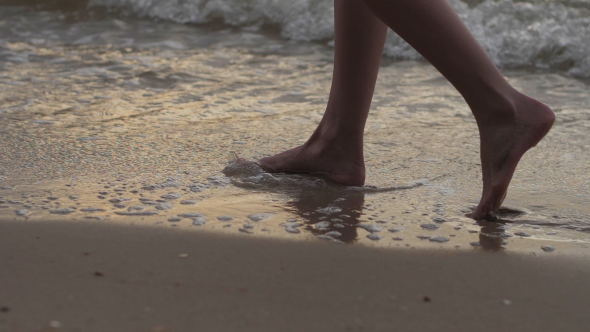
{"points": [[267, 164]]}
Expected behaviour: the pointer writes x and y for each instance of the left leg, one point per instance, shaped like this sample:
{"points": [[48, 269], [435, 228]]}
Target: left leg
{"points": [[335, 149]]}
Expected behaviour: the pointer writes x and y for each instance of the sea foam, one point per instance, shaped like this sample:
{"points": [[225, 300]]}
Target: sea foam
{"points": [[548, 35]]}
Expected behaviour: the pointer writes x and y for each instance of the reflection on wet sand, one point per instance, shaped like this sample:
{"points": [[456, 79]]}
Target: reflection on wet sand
{"points": [[492, 235], [331, 213]]}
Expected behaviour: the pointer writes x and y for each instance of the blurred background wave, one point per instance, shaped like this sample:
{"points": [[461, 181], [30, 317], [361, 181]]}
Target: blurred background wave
{"points": [[532, 33]]}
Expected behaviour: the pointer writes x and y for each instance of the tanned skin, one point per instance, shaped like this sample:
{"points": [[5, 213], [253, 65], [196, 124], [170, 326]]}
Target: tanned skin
{"points": [[509, 122]]}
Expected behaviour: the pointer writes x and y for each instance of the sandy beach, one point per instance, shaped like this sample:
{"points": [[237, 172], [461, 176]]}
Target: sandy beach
{"points": [[122, 206], [119, 278]]}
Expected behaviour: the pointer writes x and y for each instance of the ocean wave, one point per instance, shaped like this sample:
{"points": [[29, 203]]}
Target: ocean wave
{"points": [[552, 35]]}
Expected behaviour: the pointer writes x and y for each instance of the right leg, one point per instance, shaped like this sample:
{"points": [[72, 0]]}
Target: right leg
{"points": [[509, 122], [335, 149]]}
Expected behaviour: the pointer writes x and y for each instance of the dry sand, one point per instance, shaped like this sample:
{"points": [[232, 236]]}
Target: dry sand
{"points": [[48, 277]]}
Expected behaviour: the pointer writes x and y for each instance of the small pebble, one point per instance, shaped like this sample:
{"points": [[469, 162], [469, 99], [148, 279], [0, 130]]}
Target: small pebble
{"points": [[371, 228], [397, 238], [325, 237], [440, 239], [136, 213], [396, 229], [244, 230], [171, 196], [322, 225], [506, 302], [548, 248], [191, 215], [292, 224], [164, 206], [95, 217], [292, 230], [522, 234], [374, 236], [260, 216], [91, 209], [198, 187], [21, 212], [225, 218], [189, 202], [329, 210], [475, 244], [430, 226], [62, 211], [334, 234], [174, 219], [199, 221]]}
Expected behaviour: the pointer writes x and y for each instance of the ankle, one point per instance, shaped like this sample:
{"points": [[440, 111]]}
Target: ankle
{"points": [[336, 137], [497, 108]]}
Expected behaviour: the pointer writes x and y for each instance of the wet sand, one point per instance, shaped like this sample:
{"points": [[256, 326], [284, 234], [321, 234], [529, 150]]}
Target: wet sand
{"points": [[232, 283], [92, 129]]}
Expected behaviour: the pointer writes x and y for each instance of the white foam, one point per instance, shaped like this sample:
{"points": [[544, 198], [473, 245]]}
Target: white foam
{"points": [[249, 174], [541, 34]]}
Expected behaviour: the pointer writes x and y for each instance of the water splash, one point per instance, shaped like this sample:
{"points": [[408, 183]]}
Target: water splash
{"points": [[248, 174]]}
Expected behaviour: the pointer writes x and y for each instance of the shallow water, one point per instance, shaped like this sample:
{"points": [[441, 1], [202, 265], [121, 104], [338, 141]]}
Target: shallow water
{"points": [[133, 121]]}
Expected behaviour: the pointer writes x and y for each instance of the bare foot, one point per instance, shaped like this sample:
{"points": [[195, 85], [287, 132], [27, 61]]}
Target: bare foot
{"points": [[502, 146], [341, 164]]}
